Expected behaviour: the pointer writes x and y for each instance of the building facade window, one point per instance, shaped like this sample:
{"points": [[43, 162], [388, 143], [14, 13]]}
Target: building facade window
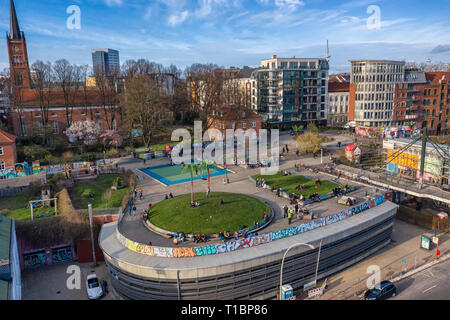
{"points": [[1, 151], [2, 165], [55, 127]]}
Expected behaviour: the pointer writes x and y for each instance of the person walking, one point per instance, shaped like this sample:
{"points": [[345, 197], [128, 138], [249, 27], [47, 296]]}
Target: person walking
{"points": [[134, 211], [290, 214], [286, 209]]}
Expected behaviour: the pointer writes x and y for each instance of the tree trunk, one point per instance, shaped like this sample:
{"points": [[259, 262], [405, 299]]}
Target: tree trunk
{"points": [[192, 188], [209, 181]]}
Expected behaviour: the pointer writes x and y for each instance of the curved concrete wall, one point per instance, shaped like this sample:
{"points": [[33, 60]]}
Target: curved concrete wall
{"points": [[253, 273]]}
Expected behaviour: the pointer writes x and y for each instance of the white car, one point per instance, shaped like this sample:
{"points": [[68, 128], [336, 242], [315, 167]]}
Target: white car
{"points": [[93, 286]]}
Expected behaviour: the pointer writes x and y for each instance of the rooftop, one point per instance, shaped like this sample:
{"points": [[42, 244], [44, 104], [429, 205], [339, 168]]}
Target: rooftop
{"points": [[4, 290], [378, 61], [435, 77], [6, 137], [339, 87], [5, 237]]}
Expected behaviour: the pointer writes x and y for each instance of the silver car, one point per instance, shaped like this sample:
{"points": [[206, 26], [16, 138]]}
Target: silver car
{"points": [[94, 289]]}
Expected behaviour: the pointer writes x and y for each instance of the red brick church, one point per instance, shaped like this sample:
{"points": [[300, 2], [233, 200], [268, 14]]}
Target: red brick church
{"points": [[27, 104]]}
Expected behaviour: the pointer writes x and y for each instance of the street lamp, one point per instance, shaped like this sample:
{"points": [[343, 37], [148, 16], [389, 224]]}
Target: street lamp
{"points": [[282, 261]]}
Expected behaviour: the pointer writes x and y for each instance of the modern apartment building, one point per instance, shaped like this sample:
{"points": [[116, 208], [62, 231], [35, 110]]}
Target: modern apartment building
{"points": [[106, 61], [372, 91], [286, 91]]}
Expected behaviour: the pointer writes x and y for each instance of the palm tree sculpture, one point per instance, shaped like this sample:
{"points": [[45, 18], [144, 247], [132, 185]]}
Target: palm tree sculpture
{"points": [[297, 129], [208, 164], [191, 168]]}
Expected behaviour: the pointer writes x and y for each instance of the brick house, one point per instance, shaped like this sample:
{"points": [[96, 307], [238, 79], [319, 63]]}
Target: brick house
{"points": [[8, 154], [234, 118]]}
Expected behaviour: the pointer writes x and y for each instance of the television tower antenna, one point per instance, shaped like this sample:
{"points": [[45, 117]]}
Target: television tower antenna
{"points": [[328, 52]]}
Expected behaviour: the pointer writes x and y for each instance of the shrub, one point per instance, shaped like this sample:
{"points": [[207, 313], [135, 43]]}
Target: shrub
{"points": [[57, 180], [68, 155], [106, 196], [309, 142], [129, 149], [112, 153], [35, 152], [117, 182], [4, 212]]}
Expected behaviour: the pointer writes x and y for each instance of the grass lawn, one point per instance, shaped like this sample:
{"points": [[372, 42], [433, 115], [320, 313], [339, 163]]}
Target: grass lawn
{"points": [[104, 196], [239, 210], [290, 183], [18, 210]]}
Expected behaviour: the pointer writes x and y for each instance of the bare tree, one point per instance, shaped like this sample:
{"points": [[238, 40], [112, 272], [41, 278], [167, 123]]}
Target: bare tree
{"points": [[83, 74], [428, 66], [144, 105], [108, 90], [75, 92], [16, 98], [64, 76], [42, 83], [205, 84]]}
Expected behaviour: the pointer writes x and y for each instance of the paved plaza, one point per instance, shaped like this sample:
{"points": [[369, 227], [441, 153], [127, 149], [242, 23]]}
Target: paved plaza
{"points": [[133, 228]]}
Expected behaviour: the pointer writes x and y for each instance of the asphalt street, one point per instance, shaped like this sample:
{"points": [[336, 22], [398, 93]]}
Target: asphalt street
{"points": [[430, 284]]}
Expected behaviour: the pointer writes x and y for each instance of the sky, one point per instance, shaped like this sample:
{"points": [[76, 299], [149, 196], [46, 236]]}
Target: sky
{"points": [[233, 32]]}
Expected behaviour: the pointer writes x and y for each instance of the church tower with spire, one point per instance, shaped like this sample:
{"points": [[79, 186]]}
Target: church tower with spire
{"points": [[18, 55]]}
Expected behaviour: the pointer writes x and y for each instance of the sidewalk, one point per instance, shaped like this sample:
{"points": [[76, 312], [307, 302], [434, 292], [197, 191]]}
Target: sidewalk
{"points": [[398, 258]]}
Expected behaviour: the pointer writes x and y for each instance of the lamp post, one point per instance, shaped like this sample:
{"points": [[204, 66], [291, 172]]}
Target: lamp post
{"points": [[92, 235], [282, 261]]}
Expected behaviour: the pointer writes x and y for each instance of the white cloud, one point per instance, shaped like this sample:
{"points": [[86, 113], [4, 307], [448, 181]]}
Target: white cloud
{"points": [[111, 3], [289, 3], [177, 19]]}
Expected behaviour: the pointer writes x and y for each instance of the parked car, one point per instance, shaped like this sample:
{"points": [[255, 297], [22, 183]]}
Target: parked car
{"points": [[384, 290], [93, 287]]}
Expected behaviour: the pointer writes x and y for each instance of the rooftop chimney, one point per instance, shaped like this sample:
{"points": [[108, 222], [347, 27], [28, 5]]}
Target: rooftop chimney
{"points": [[274, 56]]}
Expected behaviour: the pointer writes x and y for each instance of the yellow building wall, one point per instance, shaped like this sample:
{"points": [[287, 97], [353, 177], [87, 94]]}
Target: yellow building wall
{"points": [[91, 82], [404, 160]]}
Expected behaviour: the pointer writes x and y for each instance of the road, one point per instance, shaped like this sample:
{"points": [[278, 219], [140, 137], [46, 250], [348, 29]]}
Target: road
{"points": [[430, 284]]}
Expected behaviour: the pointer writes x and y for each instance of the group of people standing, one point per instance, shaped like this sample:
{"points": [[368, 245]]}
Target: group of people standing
{"points": [[296, 210]]}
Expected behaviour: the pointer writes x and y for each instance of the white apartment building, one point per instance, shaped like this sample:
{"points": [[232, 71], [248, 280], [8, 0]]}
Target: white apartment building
{"points": [[338, 103], [374, 83], [286, 91]]}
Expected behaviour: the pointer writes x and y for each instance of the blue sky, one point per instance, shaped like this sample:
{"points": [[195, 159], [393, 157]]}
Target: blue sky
{"points": [[233, 32]]}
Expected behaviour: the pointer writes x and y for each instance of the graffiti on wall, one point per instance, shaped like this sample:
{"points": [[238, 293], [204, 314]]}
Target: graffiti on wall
{"points": [[248, 242]]}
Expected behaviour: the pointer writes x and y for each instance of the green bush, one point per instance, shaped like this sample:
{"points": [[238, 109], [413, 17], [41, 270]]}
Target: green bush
{"points": [[117, 182], [106, 196], [112, 153], [35, 152]]}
